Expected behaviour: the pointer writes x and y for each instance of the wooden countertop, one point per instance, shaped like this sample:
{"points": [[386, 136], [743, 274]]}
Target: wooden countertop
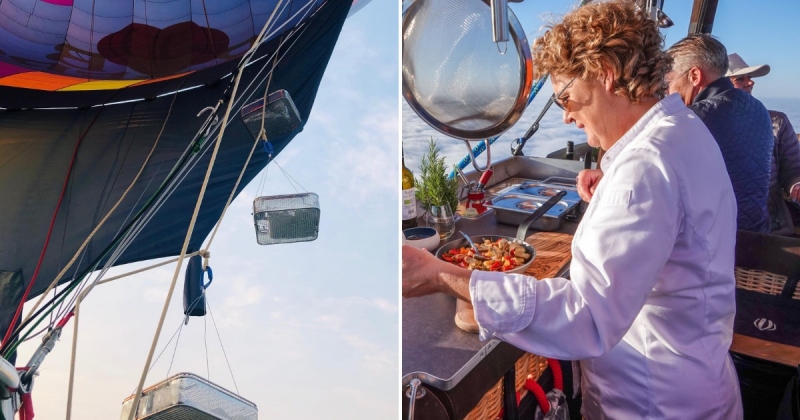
{"points": [[767, 350]]}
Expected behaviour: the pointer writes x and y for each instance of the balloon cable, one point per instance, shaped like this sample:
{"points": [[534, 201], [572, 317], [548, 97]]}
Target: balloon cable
{"points": [[261, 134], [137, 218], [248, 55]]}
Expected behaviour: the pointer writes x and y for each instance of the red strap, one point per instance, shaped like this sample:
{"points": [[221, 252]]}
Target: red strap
{"points": [[536, 389], [538, 393], [558, 376], [26, 409], [10, 332], [65, 319]]}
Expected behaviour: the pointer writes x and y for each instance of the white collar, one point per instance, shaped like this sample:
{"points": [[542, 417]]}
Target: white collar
{"points": [[662, 108]]}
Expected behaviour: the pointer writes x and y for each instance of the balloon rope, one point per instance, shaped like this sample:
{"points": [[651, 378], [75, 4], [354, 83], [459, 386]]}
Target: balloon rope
{"points": [[221, 346], [77, 314], [76, 317], [261, 133], [248, 55], [110, 212], [252, 149], [49, 233]]}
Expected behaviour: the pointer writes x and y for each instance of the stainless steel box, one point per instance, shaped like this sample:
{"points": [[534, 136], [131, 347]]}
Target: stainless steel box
{"points": [[282, 219], [513, 209], [186, 396]]}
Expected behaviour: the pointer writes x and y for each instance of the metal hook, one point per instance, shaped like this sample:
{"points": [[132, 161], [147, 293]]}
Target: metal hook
{"points": [[505, 48], [488, 156]]}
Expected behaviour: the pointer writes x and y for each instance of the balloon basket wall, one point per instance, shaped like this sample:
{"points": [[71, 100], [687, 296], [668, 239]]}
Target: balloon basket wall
{"points": [[284, 219]]}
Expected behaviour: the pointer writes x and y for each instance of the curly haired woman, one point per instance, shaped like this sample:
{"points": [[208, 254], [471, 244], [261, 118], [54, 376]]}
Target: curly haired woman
{"points": [[650, 305]]}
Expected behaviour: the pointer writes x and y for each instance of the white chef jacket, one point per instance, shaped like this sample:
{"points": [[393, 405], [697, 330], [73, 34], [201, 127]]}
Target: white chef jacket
{"points": [[649, 310]]}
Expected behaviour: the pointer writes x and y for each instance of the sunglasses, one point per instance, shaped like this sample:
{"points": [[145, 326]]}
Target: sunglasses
{"points": [[557, 99]]}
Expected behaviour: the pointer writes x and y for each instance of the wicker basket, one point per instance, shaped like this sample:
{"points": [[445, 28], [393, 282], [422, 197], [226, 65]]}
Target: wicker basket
{"points": [[762, 281], [529, 365]]}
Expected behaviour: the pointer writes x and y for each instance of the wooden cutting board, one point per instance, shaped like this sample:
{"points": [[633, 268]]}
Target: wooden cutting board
{"points": [[553, 252]]}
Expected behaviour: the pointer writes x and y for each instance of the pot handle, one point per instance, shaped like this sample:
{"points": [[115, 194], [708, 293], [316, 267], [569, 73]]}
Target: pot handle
{"points": [[523, 227]]}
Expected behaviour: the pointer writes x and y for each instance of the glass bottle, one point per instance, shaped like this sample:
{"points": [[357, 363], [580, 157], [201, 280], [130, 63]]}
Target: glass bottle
{"points": [[409, 200]]}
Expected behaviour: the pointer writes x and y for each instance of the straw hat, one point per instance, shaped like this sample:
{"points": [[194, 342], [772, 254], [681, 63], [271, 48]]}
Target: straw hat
{"points": [[737, 67]]}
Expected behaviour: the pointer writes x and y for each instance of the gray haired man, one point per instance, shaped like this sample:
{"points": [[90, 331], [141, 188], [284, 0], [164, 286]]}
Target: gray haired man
{"points": [[739, 122]]}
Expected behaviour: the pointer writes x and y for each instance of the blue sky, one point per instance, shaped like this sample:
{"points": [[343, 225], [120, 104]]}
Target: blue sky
{"points": [[760, 32], [310, 329], [763, 33]]}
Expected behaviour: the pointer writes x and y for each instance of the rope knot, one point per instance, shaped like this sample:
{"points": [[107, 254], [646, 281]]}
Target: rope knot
{"points": [[206, 254]]}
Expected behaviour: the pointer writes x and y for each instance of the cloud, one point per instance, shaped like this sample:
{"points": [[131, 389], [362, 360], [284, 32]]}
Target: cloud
{"points": [[368, 161], [238, 296], [381, 362], [364, 400], [553, 134], [329, 321]]}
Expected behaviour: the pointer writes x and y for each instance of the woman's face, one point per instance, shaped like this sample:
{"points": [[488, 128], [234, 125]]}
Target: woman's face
{"points": [[579, 102]]}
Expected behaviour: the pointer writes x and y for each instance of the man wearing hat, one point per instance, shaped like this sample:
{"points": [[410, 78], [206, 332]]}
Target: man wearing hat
{"points": [[739, 122], [785, 172]]}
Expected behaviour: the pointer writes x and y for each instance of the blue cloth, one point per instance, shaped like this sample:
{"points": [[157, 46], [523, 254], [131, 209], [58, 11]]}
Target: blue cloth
{"points": [[742, 128]]}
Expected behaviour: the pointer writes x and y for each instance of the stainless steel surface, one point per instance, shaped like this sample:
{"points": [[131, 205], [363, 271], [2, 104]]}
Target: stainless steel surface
{"points": [[499, 20], [488, 156], [513, 209], [531, 168], [48, 343], [453, 75], [434, 349], [187, 396], [570, 185], [522, 231], [282, 219], [9, 377], [546, 190], [278, 118]]}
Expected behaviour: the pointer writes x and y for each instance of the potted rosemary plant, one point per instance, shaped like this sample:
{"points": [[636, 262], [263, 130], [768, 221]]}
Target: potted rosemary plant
{"points": [[436, 192]]}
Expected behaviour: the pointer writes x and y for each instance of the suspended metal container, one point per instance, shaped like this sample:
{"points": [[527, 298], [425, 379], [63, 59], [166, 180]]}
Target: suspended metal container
{"points": [[280, 115], [285, 219], [188, 396]]}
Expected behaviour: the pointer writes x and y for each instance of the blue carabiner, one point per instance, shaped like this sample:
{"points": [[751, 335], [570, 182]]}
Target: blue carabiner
{"points": [[210, 277]]}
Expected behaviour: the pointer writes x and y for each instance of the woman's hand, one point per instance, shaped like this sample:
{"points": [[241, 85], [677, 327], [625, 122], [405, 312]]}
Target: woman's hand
{"points": [[587, 182], [424, 274]]}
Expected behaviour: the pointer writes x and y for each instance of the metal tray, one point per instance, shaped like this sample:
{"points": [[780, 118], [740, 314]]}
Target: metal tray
{"points": [[548, 188], [512, 208], [540, 189], [188, 396]]}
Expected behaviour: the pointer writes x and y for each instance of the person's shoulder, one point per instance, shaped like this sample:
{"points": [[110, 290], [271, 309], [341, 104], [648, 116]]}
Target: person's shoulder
{"points": [[778, 116], [706, 107], [738, 102]]}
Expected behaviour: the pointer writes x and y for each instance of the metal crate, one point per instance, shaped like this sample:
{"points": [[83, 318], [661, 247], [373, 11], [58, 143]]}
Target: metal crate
{"points": [[280, 115], [186, 396], [284, 219]]}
